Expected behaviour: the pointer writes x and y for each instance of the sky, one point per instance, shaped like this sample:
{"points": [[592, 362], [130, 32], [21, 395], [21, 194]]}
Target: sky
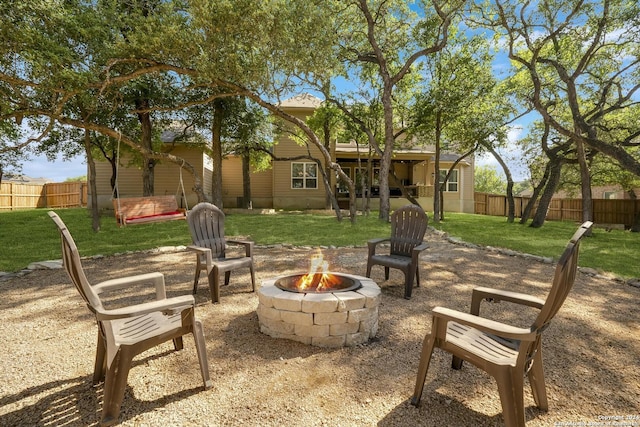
{"points": [[58, 171]]}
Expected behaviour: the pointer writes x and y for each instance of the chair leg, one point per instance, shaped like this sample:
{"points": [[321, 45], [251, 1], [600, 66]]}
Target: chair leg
{"points": [[417, 276], [115, 386], [178, 344], [456, 363], [195, 280], [510, 388], [214, 284], [536, 379], [408, 283], [253, 278], [198, 336], [227, 276], [100, 366], [369, 265], [386, 273], [423, 367]]}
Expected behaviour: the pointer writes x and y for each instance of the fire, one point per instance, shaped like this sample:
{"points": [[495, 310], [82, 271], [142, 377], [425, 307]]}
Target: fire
{"points": [[318, 276]]}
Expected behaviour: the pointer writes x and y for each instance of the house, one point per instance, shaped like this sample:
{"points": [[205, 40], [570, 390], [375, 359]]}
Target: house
{"points": [[297, 184]]}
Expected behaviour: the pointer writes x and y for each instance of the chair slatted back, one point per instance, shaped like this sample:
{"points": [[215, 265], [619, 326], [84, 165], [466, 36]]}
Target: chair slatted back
{"points": [[563, 279], [73, 265], [408, 226], [206, 224]]}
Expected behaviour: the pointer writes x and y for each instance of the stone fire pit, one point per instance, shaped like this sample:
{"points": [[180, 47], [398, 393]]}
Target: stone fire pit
{"points": [[323, 319]]}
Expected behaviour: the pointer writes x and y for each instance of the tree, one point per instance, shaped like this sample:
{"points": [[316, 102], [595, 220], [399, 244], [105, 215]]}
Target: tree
{"points": [[382, 45], [61, 59], [249, 133], [458, 108], [326, 122], [10, 160], [582, 60], [488, 180]]}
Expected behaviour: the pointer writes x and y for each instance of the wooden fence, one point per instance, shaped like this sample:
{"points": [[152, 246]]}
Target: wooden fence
{"points": [[54, 195], [605, 211]]}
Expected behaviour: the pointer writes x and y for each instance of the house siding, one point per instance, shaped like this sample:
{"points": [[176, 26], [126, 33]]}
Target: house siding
{"points": [[167, 177], [284, 196], [261, 185]]}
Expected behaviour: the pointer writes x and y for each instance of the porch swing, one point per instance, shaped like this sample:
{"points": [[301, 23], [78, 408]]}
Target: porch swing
{"points": [[143, 210]]}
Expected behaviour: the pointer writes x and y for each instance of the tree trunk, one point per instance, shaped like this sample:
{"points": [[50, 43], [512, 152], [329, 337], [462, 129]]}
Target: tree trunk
{"points": [[547, 195], [216, 152], [511, 205], [385, 159], [332, 197], [246, 180], [114, 178], [526, 213], [365, 181], [436, 167], [95, 212], [144, 117], [327, 144], [635, 227], [585, 179]]}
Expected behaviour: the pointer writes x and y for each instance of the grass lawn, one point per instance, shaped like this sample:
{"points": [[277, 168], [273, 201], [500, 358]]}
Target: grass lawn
{"points": [[30, 235], [614, 251]]}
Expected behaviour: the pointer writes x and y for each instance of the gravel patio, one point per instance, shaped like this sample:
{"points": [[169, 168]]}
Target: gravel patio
{"points": [[591, 350]]}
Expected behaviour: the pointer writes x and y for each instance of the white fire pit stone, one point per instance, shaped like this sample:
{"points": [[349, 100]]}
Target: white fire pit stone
{"points": [[328, 319]]}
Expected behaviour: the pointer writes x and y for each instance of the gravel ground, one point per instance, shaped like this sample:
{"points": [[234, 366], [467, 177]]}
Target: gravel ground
{"points": [[591, 351]]}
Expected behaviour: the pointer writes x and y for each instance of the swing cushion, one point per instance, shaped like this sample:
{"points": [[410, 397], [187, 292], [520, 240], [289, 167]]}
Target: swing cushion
{"points": [[138, 210]]}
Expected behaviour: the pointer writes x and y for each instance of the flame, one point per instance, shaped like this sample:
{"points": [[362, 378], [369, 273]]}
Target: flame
{"points": [[318, 276]]}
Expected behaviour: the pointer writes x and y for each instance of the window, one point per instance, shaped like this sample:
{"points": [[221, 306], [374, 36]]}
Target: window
{"points": [[609, 194], [452, 183], [304, 175]]}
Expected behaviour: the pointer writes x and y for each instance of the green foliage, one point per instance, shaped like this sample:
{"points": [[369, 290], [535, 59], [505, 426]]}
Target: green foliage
{"points": [[488, 180], [82, 178], [520, 187]]}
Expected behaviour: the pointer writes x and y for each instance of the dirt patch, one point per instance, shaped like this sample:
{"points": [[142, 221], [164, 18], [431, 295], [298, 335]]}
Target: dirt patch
{"points": [[591, 350]]}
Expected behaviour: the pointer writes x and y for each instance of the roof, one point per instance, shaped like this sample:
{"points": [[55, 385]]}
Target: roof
{"points": [[25, 179], [352, 147], [180, 132], [303, 100], [415, 152]]}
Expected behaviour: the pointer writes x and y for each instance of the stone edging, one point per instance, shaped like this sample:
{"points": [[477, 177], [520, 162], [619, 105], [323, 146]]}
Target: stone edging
{"points": [[635, 282]]}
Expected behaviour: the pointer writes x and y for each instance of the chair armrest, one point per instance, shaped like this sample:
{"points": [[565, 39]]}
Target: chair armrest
{"points": [[421, 247], [202, 251], [171, 305], [486, 325], [373, 243], [248, 246], [156, 278], [198, 249], [378, 241], [497, 295], [415, 252]]}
